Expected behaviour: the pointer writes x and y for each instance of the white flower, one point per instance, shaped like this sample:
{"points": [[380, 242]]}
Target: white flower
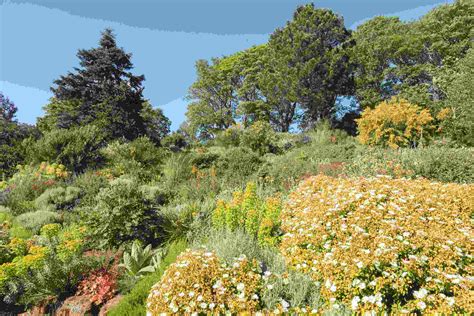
{"points": [[269, 286], [333, 288], [355, 302], [450, 301], [191, 294], [421, 305], [360, 265], [212, 305], [255, 297], [199, 298], [420, 294], [362, 285], [240, 287], [203, 305]]}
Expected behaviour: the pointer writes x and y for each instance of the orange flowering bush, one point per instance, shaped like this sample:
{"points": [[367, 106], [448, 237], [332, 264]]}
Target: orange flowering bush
{"points": [[200, 282], [383, 244], [395, 123], [259, 218]]}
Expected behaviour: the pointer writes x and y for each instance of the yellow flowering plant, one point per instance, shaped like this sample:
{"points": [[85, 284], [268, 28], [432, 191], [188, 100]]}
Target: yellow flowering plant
{"points": [[259, 217], [199, 282], [382, 244], [395, 123]]}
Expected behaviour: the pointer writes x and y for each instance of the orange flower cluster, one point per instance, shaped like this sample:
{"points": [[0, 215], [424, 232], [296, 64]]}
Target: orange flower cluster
{"points": [[383, 244], [198, 282], [395, 123]]}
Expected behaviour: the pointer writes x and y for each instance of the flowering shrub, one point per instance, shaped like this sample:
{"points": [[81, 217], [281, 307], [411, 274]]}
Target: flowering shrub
{"points": [[395, 123], [260, 218], [384, 244], [29, 182], [199, 282], [100, 285]]}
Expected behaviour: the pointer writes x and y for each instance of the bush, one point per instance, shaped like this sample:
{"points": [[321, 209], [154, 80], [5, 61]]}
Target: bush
{"points": [[77, 148], [236, 165], [29, 183], [59, 198], [395, 123], [134, 303], [381, 244], [200, 282], [259, 218], [436, 163], [140, 158], [123, 212], [33, 221], [260, 137], [46, 270], [90, 184]]}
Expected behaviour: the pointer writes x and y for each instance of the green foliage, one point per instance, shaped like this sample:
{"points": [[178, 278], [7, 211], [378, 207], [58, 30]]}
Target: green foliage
{"points": [[90, 184], [260, 137], [141, 261], [397, 58], [134, 303], [259, 218], [29, 183], [77, 148], [58, 198], [456, 82], [12, 150], [103, 92], [236, 165], [33, 221], [130, 215], [436, 163], [140, 158], [312, 49]]}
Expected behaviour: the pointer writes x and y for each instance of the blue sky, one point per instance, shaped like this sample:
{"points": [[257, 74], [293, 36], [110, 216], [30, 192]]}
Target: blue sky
{"points": [[40, 38]]}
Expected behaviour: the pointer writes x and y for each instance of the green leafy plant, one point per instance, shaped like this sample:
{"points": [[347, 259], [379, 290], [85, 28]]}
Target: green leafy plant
{"points": [[141, 260]]}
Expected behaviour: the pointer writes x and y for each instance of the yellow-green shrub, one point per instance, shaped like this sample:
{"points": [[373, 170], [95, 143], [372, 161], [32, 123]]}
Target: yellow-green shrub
{"points": [[384, 244], [395, 123], [259, 217], [199, 282]]}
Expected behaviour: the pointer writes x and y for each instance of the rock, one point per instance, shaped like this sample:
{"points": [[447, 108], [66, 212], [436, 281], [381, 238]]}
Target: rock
{"points": [[35, 311], [110, 304], [75, 306]]}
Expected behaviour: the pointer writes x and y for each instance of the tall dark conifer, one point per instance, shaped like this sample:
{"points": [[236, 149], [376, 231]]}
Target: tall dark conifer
{"points": [[102, 91]]}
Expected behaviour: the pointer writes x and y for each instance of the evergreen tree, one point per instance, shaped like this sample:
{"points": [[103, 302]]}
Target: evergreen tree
{"points": [[102, 92]]}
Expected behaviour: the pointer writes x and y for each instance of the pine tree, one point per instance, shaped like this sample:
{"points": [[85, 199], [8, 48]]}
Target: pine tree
{"points": [[102, 92]]}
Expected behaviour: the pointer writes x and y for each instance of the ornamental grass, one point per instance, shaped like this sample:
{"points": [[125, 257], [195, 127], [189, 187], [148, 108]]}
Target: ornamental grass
{"points": [[384, 245]]}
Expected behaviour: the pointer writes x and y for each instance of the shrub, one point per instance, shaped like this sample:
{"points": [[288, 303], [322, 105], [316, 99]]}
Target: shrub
{"points": [[383, 244], [99, 285], [77, 148], [395, 123], [123, 212], [259, 218], [236, 165], [30, 182], [141, 260], [200, 282], [140, 158], [59, 198], [90, 184], [46, 270], [33, 221], [260, 137], [436, 163], [134, 303]]}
